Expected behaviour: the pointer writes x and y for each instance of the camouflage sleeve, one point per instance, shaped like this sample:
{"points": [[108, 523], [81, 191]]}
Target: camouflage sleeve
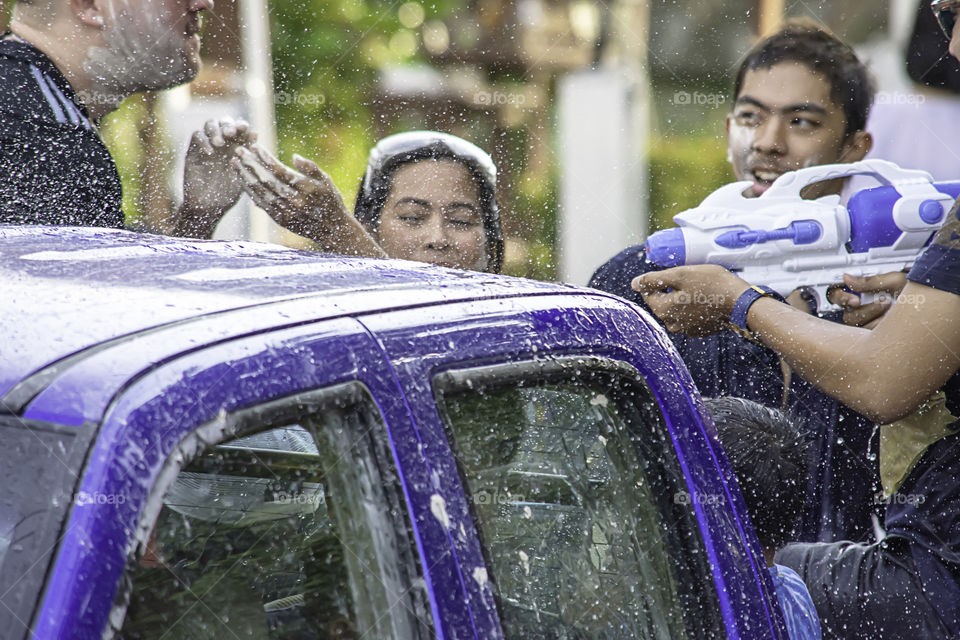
{"points": [[939, 264], [949, 234]]}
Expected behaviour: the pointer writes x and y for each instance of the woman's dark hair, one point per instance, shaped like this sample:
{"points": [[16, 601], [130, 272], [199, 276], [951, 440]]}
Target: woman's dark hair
{"points": [[397, 150], [771, 459], [814, 46]]}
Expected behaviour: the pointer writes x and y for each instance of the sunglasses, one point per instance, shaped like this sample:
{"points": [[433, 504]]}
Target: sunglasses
{"points": [[946, 13]]}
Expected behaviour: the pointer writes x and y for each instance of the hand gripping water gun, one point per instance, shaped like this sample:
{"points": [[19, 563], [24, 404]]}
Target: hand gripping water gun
{"points": [[785, 242]]}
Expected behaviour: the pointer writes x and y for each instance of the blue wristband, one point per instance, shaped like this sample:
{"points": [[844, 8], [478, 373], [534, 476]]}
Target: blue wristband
{"points": [[738, 317]]}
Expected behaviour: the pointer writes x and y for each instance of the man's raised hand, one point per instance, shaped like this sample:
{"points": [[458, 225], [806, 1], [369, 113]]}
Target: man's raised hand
{"points": [[211, 185]]}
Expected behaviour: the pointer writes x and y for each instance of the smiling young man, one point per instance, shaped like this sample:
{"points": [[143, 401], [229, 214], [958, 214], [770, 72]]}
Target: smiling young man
{"points": [[801, 98], [65, 64]]}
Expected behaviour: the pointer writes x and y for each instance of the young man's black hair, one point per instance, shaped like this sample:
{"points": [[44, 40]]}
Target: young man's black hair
{"points": [[810, 44], [771, 459]]}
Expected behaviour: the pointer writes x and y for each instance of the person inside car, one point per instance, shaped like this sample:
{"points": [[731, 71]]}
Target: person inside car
{"points": [[771, 459]]}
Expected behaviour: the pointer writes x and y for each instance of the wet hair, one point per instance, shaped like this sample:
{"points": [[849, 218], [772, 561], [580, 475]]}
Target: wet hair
{"points": [[771, 459], [814, 46], [393, 152]]}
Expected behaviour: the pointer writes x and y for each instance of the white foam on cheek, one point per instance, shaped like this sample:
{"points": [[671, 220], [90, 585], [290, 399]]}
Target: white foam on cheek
{"points": [[739, 140], [130, 28]]}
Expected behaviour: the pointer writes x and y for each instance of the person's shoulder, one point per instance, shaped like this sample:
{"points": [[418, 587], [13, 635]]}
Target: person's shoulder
{"points": [[799, 612], [786, 574], [789, 584], [21, 92], [32, 91], [15, 77], [630, 255], [614, 276]]}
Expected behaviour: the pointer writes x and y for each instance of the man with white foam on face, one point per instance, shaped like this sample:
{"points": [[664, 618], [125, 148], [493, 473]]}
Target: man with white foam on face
{"points": [[801, 98], [63, 66], [792, 113]]}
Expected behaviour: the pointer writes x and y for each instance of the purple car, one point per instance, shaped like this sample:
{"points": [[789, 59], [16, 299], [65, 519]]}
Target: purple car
{"points": [[234, 440]]}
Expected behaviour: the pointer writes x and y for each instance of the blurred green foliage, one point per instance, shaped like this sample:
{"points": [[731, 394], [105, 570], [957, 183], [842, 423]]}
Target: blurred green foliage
{"points": [[326, 56], [684, 171], [120, 131], [534, 207]]}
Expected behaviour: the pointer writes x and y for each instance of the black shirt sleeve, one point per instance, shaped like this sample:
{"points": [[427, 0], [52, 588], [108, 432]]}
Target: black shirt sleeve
{"points": [[939, 267], [54, 168], [52, 175], [616, 274]]}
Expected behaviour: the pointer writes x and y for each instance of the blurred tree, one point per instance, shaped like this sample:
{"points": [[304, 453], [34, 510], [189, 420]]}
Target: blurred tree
{"points": [[683, 171], [327, 55]]}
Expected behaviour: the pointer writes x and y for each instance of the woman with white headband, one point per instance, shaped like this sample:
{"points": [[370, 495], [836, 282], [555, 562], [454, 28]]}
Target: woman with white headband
{"points": [[425, 196]]}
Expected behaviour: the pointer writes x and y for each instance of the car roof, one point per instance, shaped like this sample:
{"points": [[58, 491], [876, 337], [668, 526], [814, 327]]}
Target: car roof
{"points": [[68, 289]]}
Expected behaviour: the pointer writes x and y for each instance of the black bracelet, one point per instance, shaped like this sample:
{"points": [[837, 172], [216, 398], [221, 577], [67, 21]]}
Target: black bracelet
{"points": [[738, 317]]}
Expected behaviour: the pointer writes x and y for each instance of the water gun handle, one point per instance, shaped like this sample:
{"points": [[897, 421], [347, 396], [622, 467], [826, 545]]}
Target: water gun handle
{"points": [[819, 295], [790, 184]]}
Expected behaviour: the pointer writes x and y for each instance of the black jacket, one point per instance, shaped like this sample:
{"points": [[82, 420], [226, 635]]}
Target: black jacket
{"points": [[54, 167]]}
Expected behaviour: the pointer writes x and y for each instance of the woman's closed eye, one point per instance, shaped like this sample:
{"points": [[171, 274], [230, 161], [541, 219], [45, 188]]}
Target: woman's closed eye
{"points": [[462, 216], [412, 219], [462, 222], [411, 213]]}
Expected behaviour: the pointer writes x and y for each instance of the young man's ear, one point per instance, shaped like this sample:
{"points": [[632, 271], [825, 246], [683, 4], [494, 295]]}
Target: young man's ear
{"points": [[88, 12], [856, 146]]}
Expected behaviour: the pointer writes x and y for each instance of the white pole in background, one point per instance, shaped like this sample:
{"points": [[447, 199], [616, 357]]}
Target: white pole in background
{"points": [[603, 118], [258, 85]]}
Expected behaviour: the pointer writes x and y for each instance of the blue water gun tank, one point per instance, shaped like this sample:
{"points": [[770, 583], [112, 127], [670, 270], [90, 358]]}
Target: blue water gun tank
{"points": [[869, 230]]}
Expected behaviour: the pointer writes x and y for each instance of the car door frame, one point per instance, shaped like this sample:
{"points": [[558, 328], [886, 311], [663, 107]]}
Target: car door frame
{"points": [[160, 408], [424, 343]]}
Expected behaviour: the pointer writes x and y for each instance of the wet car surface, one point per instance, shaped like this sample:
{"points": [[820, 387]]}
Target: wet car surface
{"points": [[219, 440]]}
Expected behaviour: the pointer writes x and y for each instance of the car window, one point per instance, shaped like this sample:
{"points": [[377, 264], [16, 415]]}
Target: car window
{"points": [[39, 467], [577, 493], [293, 532]]}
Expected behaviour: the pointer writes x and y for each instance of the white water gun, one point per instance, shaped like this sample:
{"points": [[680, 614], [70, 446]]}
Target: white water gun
{"points": [[785, 242]]}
